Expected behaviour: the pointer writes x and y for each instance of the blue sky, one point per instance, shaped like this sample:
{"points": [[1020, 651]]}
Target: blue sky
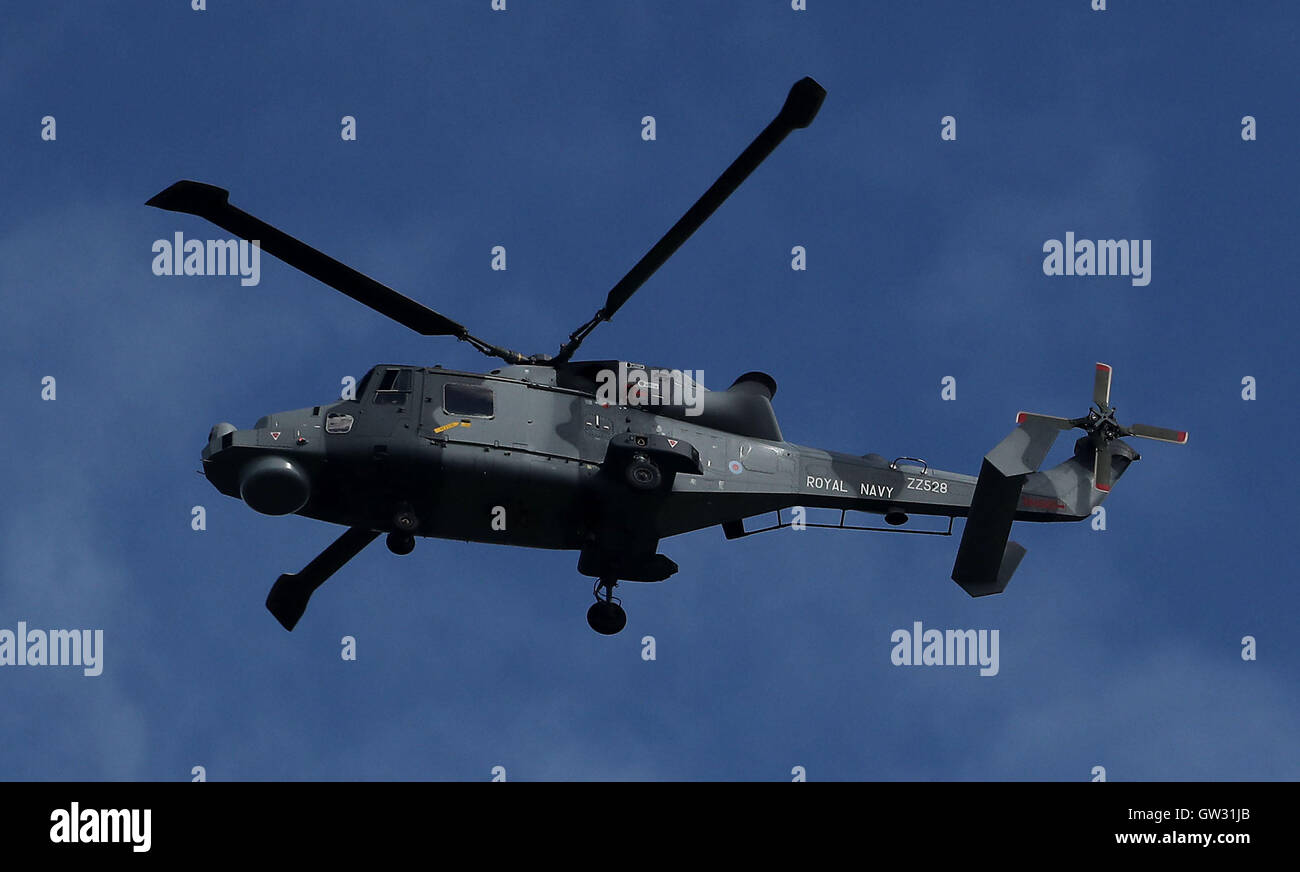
{"points": [[1118, 648]]}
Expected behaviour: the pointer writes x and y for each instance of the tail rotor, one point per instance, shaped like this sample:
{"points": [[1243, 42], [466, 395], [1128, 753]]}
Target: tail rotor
{"points": [[986, 558], [1102, 428]]}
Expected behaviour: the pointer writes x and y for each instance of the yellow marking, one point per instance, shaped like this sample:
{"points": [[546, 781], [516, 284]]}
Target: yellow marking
{"points": [[452, 424]]}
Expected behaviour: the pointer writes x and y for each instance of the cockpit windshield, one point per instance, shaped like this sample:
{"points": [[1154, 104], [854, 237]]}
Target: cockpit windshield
{"points": [[392, 385]]}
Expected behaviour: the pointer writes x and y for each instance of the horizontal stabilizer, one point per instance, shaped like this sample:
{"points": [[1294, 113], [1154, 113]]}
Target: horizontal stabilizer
{"points": [[1026, 447]]}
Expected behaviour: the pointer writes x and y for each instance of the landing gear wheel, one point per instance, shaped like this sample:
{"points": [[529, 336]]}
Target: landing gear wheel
{"points": [[643, 473], [401, 543], [405, 521], [606, 616]]}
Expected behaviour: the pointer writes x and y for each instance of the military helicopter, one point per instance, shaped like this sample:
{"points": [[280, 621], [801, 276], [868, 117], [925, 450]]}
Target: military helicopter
{"points": [[537, 454]]}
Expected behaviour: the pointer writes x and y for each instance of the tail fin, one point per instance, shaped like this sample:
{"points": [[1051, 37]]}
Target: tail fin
{"points": [[986, 559]]}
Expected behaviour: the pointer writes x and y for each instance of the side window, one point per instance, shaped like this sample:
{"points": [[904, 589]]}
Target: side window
{"points": [[394, 387], [472, 400], [337, 422]]}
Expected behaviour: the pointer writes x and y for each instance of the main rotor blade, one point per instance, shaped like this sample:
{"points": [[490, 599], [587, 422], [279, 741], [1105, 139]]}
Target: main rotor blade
{"points": [[800, 108], [213, 203], [1101, 386], [288, 597], [1163, 434]]}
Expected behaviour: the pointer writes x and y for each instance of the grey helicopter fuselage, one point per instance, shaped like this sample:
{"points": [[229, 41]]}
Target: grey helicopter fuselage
{"points": [[525, 455], [539, 454]]}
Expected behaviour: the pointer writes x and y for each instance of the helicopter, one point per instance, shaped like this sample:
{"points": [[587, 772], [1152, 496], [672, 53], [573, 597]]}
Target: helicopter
{"points": [[541, 453]]}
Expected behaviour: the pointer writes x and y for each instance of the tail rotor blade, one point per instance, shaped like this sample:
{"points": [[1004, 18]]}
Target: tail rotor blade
{"points": [[1101, 386], [1101, 468], [1162, 434]]}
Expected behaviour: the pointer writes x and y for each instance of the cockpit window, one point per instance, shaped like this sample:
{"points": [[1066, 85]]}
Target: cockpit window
{"points": [[394, 386], [472, 400]]}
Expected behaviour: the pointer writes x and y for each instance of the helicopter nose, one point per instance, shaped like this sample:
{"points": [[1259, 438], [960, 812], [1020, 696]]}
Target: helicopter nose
{"points": [[274, 485], [220, 430]]}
